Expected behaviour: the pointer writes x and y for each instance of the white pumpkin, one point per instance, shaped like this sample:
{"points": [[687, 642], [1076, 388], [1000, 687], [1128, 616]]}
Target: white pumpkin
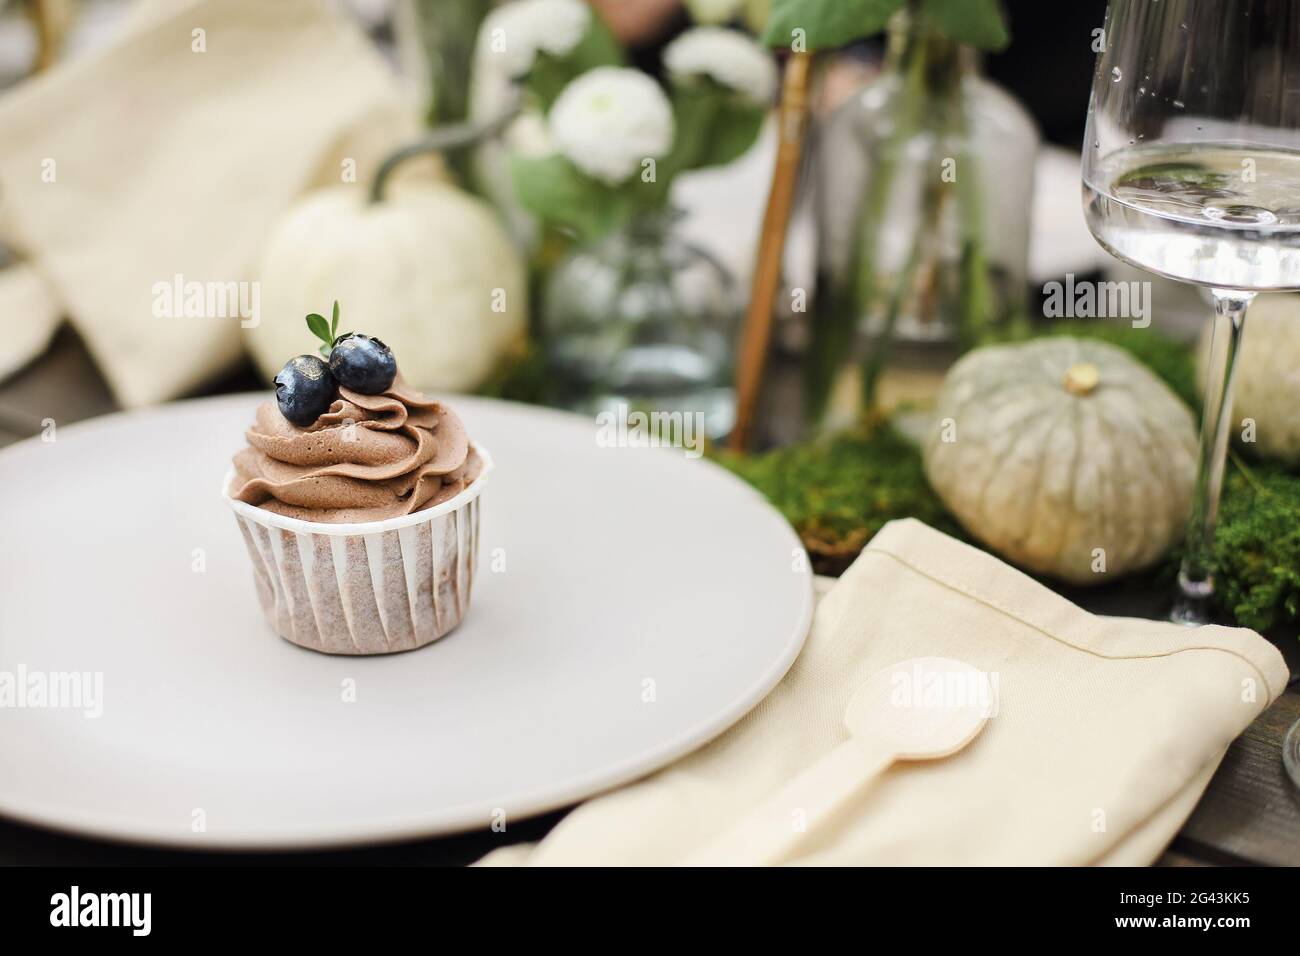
{"points": [[428, 269], [1266, 387], [1066, 456]]}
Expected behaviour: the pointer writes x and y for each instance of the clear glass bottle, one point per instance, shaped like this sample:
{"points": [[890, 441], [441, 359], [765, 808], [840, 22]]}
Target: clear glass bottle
{"points": [[644, 319], [922, 192]]}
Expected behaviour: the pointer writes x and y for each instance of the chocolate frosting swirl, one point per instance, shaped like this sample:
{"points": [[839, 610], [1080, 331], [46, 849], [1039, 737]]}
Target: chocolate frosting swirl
{"points": [[368, 458]]}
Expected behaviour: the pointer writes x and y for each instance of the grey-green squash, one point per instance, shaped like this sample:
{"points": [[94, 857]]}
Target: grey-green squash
{"points": [[1066, 456]]}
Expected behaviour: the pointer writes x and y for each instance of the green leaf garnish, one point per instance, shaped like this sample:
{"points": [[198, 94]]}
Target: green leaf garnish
{"points": [[326, 331], [320, 328]]}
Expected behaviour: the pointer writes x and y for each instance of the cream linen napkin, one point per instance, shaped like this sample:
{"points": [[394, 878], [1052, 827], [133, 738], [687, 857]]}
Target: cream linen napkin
{"points": [[1107, 729], [169, 161]]}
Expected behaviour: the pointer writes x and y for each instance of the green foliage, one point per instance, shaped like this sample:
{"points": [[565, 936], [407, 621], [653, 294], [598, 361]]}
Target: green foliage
{"points": [[1257, 547], [713, 127], [977, 22], [826, 24], [554, 190], [839, 492]]}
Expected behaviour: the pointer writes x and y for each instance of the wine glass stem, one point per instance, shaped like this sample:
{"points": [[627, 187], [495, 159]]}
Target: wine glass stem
{"points": [[1195, 578]]}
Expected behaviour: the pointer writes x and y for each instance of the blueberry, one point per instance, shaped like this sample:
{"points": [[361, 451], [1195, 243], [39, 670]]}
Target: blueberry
{"points": [[362, 363], [304, 389]]}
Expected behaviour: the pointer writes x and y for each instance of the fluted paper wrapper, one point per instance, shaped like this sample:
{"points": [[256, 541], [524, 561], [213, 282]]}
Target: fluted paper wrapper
{"points": [[373, 588]]}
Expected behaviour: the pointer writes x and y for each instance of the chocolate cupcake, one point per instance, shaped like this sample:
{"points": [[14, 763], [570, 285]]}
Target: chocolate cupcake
{"points": [[358, 499]]}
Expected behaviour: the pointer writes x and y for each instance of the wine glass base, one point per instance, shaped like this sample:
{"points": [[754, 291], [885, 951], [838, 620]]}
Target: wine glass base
{"points": [[1291, 753], [1190, 612], [1192, 606]]}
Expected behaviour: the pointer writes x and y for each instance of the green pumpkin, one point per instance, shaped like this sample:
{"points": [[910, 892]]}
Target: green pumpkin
{"points": [[1065, 456]]}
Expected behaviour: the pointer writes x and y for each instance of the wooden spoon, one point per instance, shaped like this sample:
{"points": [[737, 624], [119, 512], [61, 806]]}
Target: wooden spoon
{"points": [[919, 709]]}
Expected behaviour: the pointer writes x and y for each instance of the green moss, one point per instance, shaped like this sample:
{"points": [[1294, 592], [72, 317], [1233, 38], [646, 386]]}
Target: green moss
{"points": [[1257, 547], [839, 492]]}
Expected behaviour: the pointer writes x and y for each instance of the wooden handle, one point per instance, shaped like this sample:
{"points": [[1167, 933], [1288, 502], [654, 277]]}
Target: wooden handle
{"points": [[792, 121], [774, 829]]}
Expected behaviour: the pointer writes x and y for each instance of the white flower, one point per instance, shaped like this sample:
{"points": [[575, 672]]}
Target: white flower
{"points": [[728, 57], [513, 35], [611, 119]]}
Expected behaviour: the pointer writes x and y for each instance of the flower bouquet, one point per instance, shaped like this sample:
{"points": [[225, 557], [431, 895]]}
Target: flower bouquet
{"points": [[632, 315]]}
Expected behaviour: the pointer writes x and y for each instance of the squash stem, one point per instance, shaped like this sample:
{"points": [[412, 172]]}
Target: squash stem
{"points": [[441, 139]]}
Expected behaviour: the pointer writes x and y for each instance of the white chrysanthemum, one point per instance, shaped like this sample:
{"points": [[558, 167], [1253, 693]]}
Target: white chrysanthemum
{"points": [[513, 35], [726, 56], [611, 119]]}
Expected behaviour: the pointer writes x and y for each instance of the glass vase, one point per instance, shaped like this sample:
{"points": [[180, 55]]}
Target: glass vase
{"points": [[922, 188], [644, 320]]}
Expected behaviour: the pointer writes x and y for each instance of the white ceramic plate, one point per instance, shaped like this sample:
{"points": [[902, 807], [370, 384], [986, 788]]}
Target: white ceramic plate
{"points": [[630, 605]]}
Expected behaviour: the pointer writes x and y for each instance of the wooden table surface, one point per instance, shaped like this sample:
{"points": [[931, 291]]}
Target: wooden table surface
{"points": [[1250, 814]]}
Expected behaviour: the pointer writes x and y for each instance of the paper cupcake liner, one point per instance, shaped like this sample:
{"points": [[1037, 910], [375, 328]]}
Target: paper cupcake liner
{"points": [[371, 588]]}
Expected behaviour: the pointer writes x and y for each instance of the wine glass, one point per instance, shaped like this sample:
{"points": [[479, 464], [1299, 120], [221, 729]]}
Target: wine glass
{"points": [[1191, 169]]}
